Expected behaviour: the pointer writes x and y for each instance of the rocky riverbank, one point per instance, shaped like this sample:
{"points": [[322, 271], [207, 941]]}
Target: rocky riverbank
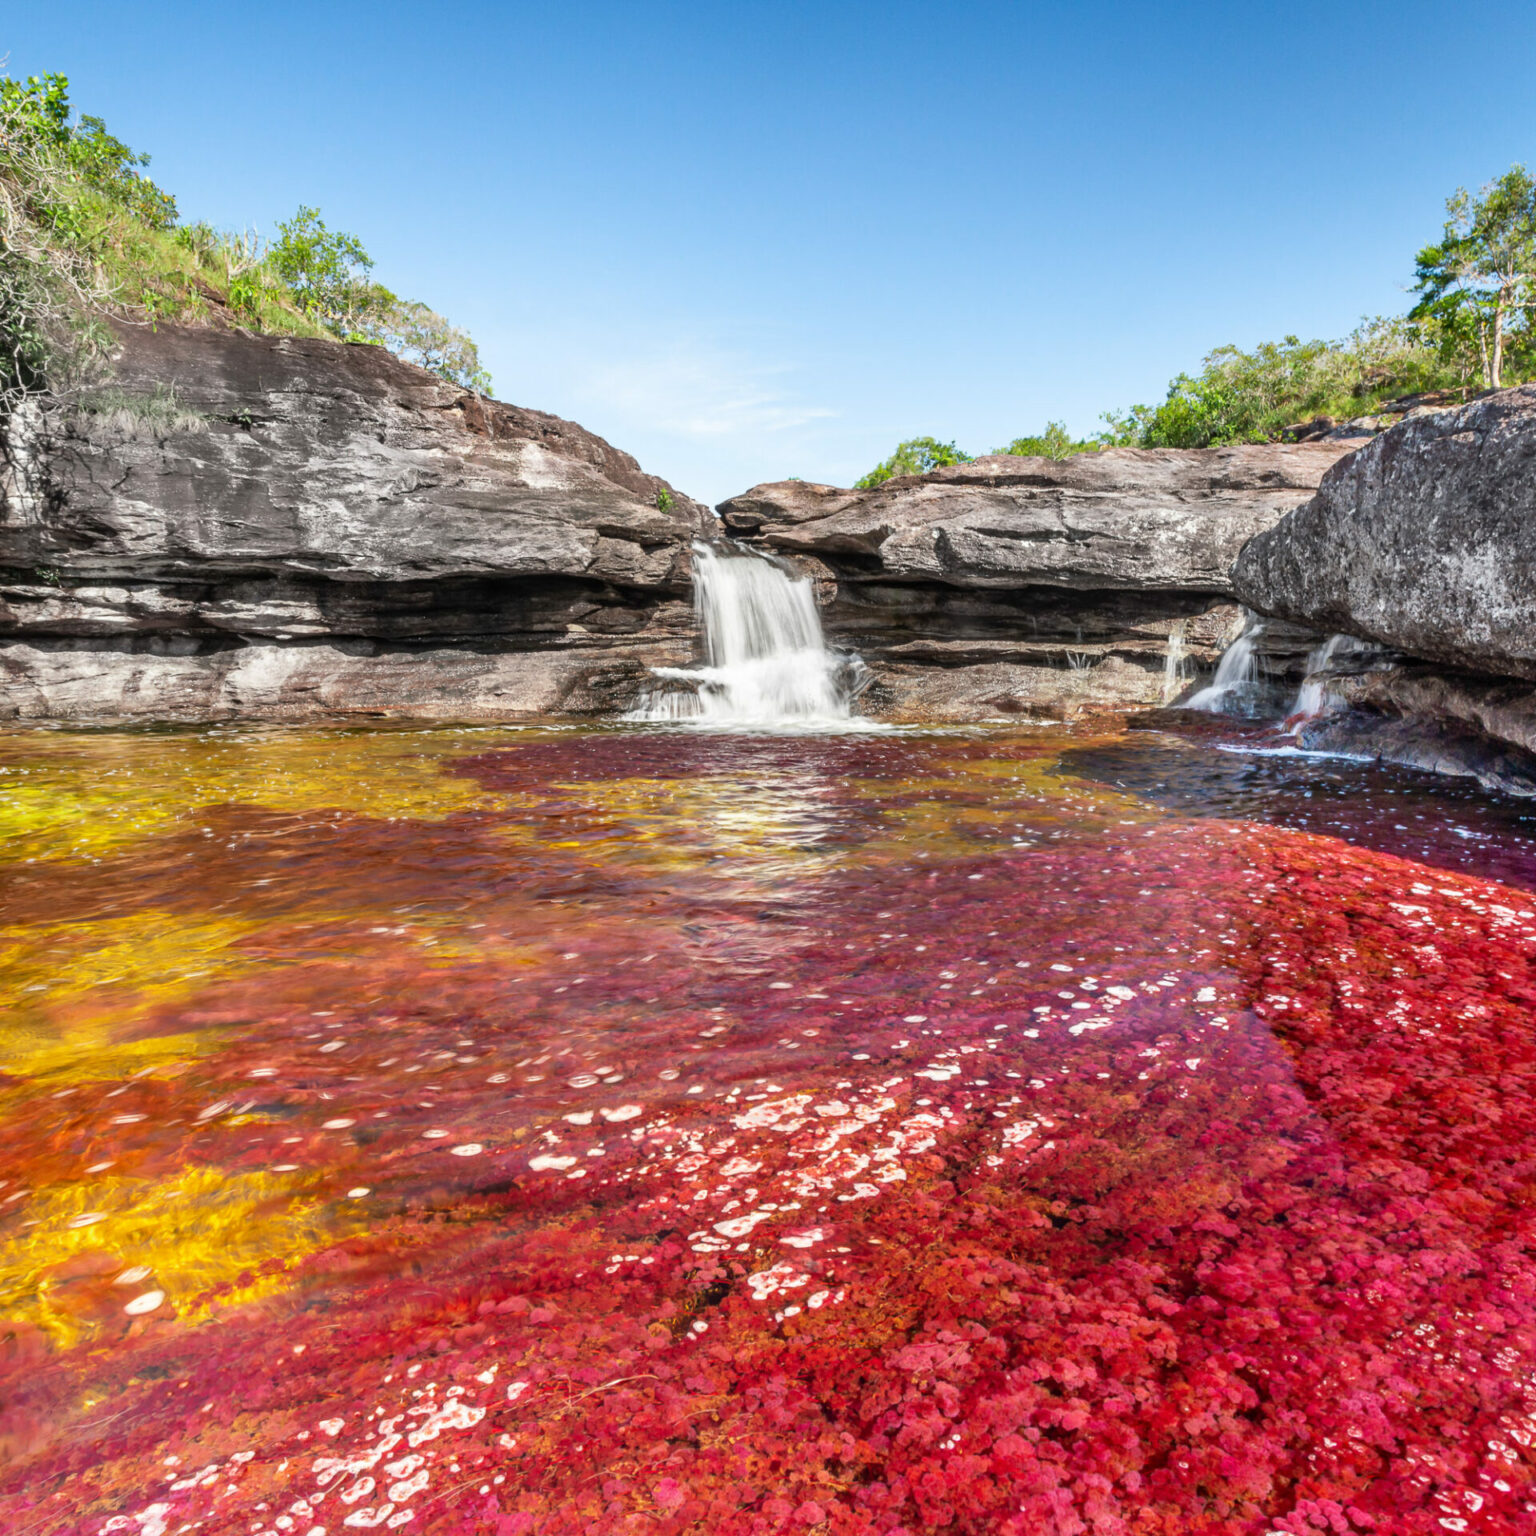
{"points": [[238, 526], [1034, 586], [268, 527]]}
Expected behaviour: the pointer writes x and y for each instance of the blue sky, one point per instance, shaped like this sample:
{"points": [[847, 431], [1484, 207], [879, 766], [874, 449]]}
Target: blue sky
{"points": [[752, 240]]}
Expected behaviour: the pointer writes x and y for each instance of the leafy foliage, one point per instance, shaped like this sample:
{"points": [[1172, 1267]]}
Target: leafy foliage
{"points": [[1479, 281], [327, 272], [422, 336], [37, 110], [1248, 397], [916, 456], [1054, 443], [85, 234]]}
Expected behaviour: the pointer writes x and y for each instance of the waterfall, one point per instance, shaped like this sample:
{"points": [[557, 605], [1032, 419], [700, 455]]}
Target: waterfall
{"points": [[1309, 699], [1233, 689], [1173, 662], [766, 661]]}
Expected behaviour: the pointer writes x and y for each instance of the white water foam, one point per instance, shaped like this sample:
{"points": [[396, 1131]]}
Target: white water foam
{"points": [[1237, 673], [766, 661]]}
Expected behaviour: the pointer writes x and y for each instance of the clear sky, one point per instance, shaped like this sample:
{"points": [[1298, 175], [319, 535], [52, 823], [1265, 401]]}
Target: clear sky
{"points": [[748, 240]]}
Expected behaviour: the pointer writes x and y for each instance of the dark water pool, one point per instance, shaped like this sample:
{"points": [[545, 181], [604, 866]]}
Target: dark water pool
{"points": [[556, 1130]]}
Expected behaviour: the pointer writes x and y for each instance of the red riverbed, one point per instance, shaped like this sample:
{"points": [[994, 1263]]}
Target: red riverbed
{"points": [[555, 1132]]}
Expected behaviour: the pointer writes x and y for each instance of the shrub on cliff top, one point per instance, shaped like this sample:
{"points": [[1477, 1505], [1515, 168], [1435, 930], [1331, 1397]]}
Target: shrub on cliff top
{"points": [[916, 456], [1248, 397], [85, 234], [1054, 443]]}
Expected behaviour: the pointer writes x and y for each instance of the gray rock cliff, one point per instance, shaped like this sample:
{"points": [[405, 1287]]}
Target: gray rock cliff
{"points": [[251, 525], [1036, 586]]}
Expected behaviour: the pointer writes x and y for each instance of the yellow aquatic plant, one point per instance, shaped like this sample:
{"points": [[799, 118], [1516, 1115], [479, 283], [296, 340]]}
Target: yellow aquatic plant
{"points": [[93, 1255], [80, 796], [76, 989]]}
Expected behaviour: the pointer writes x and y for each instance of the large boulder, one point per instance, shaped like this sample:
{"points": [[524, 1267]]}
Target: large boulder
{"points": [[1423, 540], [1036, 586], [252, 525]]}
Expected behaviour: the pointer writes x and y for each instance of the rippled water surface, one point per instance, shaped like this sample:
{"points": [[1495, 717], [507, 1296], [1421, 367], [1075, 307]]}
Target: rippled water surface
{"points": [[602, 1131]]}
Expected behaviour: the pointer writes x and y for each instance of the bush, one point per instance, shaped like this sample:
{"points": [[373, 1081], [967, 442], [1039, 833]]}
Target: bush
{"points": [[421, 336], [1054, 443], [1248, 397], [327, 274], [916, 456]]}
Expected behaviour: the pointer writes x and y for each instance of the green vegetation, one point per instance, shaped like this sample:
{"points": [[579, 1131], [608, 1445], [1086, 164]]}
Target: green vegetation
{"points": [[1478, 285], [1473, 327], [1054, 443], [85, 235], [1251, 397], [916, 456]]}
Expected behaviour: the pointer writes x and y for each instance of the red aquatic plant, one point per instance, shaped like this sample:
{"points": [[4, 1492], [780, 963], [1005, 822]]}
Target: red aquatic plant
{"points": [[1067, 1169]]}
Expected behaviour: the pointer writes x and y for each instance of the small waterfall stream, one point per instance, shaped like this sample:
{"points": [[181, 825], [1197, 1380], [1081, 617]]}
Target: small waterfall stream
{"points": [[1237, 673], [766, 660], [1310, 698], [1173, 660]]}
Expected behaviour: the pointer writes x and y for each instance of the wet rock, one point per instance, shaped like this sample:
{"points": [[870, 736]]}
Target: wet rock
{"points": [[227, 493], [1456, 723], [1027, 585]]}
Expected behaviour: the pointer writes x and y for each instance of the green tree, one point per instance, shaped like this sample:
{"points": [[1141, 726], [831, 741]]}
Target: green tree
{"points": [[1054, 443], [422, 336], [36, 110], [916, 456], [1479, 280], [328, 274]]}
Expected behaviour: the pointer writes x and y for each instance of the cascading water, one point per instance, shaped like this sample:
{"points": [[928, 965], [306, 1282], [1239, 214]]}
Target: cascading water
{"points": [[1311, 698], [1173, 660], [766, 661], [1233, 689]]}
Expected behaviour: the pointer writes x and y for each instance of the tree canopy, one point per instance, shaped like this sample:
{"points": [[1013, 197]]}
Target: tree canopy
{"points": [[1478, 282], [916, 456]]}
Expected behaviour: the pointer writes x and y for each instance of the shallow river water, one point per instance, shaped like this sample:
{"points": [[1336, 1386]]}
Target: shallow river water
{"points": [[558, 1130]]}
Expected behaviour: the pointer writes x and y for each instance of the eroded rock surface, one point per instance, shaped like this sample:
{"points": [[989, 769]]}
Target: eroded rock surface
{"points": [[1036, 586], [1424, 540], [279, 527]]}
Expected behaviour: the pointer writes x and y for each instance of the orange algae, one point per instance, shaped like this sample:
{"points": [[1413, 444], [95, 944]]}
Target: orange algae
{"points": [[923, 1138]]}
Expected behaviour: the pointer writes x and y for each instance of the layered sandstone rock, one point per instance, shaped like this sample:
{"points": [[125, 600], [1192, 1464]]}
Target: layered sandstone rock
{"points": [[244, 525], [1036, 586]]}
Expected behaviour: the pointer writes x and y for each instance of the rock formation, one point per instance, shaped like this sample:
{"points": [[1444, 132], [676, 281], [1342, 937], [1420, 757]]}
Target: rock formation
{"points": [[244, 525], [1036, 586], [1423, 542]]}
